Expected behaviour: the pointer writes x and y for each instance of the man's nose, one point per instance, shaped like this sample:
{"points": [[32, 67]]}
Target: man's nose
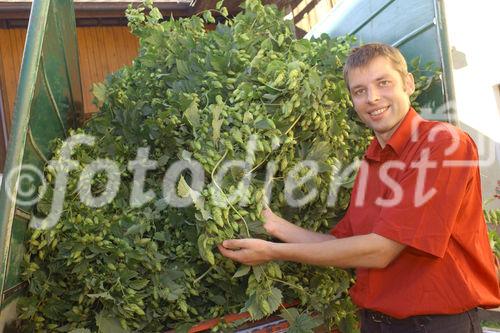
{"points": [[373, 95]]}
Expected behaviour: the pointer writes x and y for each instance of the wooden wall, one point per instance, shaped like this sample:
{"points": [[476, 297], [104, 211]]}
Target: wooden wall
{"points": [[11, 54], [103, 50], [11, 51]]}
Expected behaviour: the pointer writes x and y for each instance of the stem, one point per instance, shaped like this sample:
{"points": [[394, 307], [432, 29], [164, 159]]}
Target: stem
{"points": [[291, 285], [224, 194], [269, 154], [293, 125], [269, 86], [198, 279]]}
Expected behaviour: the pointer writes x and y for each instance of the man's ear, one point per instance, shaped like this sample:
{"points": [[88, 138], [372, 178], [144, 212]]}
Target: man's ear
{"points": [[409, 84]]}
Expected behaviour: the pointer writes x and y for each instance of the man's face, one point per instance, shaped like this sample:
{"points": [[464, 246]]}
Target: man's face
{"points": [[381, 96]]}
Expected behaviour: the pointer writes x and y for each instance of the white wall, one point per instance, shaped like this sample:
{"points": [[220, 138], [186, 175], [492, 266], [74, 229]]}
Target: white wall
{"points": [[474, 30]]}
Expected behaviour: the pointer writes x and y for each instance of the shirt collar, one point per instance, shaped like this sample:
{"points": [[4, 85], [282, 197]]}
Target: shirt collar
{"points": [[399, 138]]}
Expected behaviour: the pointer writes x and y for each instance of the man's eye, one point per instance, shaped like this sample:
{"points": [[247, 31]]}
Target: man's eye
{"points": [[359, 92], [384, 83]]}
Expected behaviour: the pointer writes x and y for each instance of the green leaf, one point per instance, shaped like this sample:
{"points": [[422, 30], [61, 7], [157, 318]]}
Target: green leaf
{"points": [[265, 124], [320, 151], [136, 229], [81, 330], [218, 299], [183, 189], [270, 97], [253, 308], [289, 315], [207, 16], [216, 123], [108, 325], [242, 271], [349, 324], [301, 46], [182, 67], [184, 327], [267, 44], [258, 271], [99, 91], [192, 114], [219, 62], [304, 323], [186, 155], [199, 203], [139, 284], [44, 207], [163, 160], [104, 295], [209, 255], [262, 303], [219, 4], [155, 14], [127, 275], [324, 167], [281, 39], [275, 299], [247, 117], [315, 79]]}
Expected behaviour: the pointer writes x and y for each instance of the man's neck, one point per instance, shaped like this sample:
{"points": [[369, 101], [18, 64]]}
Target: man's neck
{"points": [[383, 138]]}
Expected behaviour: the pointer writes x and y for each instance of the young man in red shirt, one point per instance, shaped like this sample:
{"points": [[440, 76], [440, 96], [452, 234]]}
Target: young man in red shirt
{"points": [[417, 237]]}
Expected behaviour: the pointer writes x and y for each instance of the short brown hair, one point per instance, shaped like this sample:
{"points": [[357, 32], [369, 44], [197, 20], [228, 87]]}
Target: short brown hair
{"points": [[361, 56]]}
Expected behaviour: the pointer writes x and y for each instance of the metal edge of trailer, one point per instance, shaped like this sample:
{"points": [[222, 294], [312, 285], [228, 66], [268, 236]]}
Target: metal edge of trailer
{"points": [[444, 48], [17, 140], [48, 101]]}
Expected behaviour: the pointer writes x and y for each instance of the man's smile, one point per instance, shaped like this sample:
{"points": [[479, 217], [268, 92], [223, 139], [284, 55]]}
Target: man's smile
{"points": [[378, 112]]}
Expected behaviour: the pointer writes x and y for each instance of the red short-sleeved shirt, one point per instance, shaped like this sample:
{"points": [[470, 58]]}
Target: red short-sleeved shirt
{"points": [[436, 210]]}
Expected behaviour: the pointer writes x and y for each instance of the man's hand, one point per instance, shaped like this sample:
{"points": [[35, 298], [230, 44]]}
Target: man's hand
{"points": [[271, 221], [247, 251], [280, 228]]}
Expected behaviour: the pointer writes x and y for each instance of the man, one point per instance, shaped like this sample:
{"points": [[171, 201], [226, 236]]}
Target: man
{"points": [[417, 237]]}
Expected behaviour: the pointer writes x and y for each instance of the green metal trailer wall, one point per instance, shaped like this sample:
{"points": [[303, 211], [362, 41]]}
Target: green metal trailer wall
{"points": [[49, 98]]}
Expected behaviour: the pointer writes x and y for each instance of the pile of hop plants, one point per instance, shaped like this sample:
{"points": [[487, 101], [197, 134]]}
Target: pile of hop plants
{"points": [[249, 91]]}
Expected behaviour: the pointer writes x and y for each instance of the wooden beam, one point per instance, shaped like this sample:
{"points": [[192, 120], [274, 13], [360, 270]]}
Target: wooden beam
{"points": [[16, 14], [233, 7], [20, 11]]}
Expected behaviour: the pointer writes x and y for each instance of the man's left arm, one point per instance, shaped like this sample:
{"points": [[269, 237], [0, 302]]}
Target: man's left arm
{"points": [[366, 251]]}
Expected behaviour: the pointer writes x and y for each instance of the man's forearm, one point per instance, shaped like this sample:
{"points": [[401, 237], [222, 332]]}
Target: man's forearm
{"points": [[291, 233], [357, 251]]}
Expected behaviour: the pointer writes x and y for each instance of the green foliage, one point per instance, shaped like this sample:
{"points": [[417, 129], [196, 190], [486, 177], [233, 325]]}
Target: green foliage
{"points": [[426, 76], [193, 94], [492, 217], [300, 322]]}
